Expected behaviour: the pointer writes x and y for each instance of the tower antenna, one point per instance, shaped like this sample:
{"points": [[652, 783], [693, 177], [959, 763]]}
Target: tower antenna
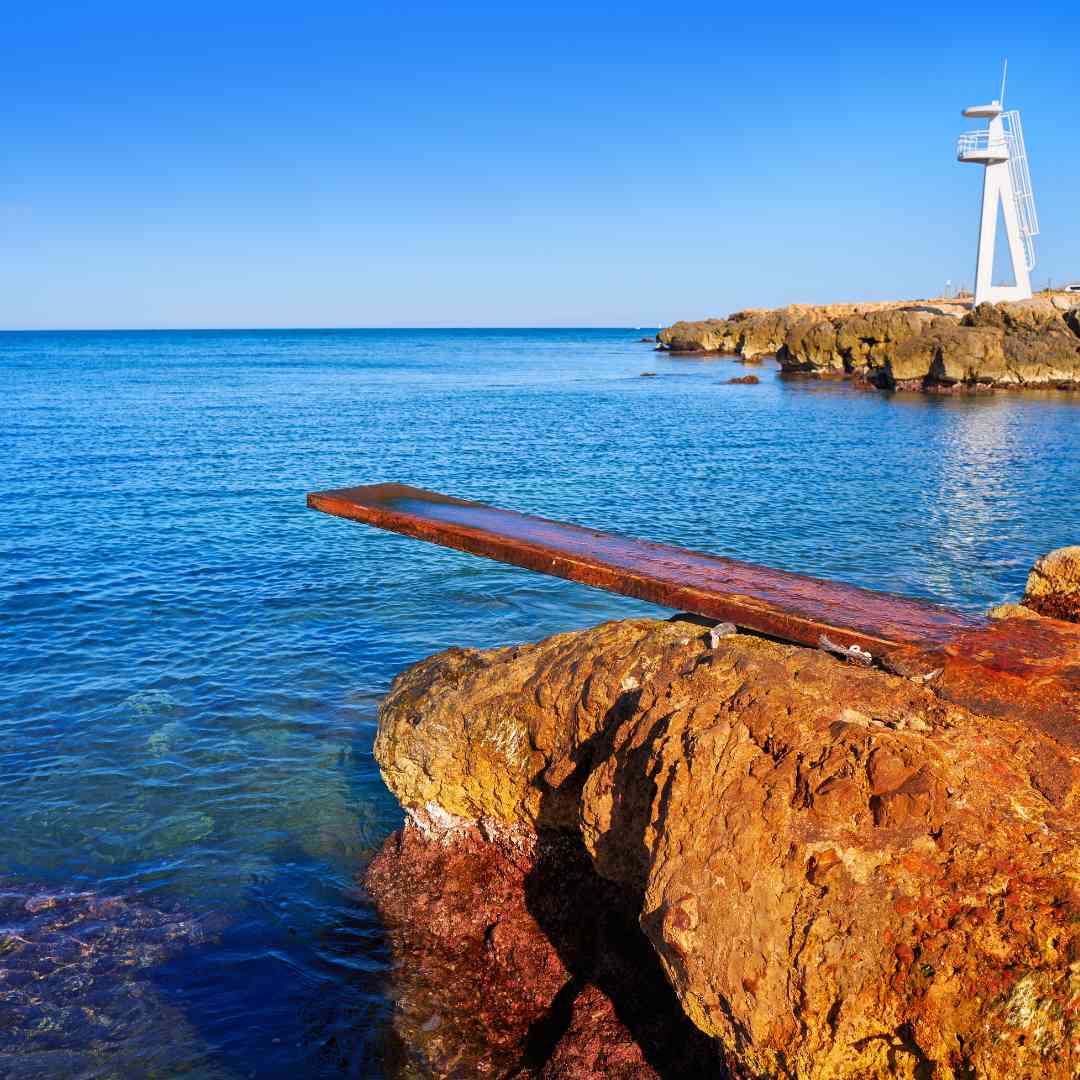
{"points": [[1004, 72]]}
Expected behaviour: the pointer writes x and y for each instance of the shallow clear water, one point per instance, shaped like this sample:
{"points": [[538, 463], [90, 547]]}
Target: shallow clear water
{"points": [[190, 661]]}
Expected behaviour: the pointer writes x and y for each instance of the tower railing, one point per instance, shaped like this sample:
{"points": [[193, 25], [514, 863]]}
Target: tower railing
{"points": [[1021, 184], [978, 145]]}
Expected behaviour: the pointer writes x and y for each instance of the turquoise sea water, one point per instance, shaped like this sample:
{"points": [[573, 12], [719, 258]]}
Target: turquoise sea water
{"points": [[190, 661]]}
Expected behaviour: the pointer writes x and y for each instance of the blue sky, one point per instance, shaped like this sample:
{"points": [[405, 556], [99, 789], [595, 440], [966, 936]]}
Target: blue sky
{"points": [[325, 164]]}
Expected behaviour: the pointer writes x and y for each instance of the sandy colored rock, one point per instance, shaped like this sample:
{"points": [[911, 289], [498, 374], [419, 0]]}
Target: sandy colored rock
{"points": [[907, 345], [968, 354], [1012, 611], [763, 334], [515, 723], [1038, 313], [708, 335], [811, 345], [1053, 586], [843, 876]]}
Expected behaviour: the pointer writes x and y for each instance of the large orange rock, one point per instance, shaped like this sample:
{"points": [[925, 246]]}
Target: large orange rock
{"points": [[843, 875]]}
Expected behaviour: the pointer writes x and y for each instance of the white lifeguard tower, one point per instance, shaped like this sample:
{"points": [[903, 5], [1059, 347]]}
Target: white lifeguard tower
{"points": [[999, 148]]}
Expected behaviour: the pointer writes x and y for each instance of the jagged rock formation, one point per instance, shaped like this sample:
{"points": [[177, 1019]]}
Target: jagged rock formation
{"points": [[515, 958], [933, 345], [841, 874], [1053, 586]]}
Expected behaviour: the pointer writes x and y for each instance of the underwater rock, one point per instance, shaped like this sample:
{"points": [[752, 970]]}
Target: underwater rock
{"points": [[841, 874], [75, 990]]}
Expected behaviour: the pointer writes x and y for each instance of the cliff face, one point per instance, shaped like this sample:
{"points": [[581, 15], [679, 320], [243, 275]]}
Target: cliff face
{"points": [[933, 345], [833, 871]]}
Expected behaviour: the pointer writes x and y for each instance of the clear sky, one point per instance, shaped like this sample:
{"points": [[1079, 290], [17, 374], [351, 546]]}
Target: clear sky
{"points": [[407, 164]]}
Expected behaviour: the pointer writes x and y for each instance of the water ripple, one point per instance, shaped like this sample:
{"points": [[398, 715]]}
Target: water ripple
{"points": [[191, 661]]}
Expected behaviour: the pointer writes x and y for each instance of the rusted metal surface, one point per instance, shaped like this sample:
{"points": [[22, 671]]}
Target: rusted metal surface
{"points": [[1010, 667], [786, 605], [1026, 668]]}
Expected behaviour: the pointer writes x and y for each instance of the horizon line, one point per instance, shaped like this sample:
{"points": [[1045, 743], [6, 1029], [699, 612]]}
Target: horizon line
{"points": [[293, 329]]}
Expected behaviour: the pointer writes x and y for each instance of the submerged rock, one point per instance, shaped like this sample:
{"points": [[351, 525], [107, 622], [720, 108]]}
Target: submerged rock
{"points": [[75, 991], [840, 874]]}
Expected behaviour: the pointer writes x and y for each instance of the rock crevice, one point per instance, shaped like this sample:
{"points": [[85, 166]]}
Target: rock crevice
{"points": [[835, 872]]}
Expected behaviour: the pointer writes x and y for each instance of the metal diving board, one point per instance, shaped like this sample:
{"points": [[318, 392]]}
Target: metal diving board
{"points": [[992, 665]]}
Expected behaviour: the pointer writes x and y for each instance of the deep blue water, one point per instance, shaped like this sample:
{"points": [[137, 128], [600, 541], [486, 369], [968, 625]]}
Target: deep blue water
{"points": [[190, 661]]}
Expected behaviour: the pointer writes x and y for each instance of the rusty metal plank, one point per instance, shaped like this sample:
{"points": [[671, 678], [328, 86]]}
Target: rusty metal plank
{"points": [[786, 605], [1014, 668]]}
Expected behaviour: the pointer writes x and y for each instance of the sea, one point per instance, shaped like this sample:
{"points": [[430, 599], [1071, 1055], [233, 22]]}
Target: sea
{"points": [[191, 661]]}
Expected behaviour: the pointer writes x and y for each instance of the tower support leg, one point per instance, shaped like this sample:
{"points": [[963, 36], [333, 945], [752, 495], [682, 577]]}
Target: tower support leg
{"points": [[998, 187]]}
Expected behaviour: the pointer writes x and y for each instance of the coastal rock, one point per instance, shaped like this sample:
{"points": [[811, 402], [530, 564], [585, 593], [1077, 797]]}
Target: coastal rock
{"points": [[1053, 586], [1012, 611], [1050, 357], [1038, 313], [857, 344], [763, 334], [518, 959], [966, 355], [476, 969], [708, 335], [914, 345], [867, 341], [749, 334], [842, 874], [811, 345]]}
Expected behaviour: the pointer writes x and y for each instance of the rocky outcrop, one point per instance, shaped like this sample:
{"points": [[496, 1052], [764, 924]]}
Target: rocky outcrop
{"points": [[1053, 586], [839, 873], [499, 974], [760, 331], [932, 345], [707, 336], [750, 334]]}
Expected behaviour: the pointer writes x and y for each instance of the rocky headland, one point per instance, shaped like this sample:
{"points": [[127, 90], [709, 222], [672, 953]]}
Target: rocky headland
{"points": [[932, 345], [648, 850]]}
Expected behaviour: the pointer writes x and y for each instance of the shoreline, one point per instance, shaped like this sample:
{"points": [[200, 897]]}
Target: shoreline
{"points": [[931, 346]]}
